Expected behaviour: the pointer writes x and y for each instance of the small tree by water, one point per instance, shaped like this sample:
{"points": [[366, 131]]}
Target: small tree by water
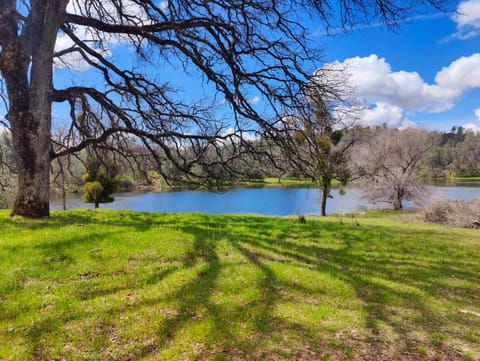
{"points": [[322, 143], [100, 182]]}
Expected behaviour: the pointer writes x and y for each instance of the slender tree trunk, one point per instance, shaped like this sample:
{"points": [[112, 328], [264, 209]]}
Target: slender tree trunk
{"points": [[397, 199], [325, 192], [64, 194]]}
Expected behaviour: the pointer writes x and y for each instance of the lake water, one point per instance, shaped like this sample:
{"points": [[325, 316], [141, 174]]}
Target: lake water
{"points": [[268, 201]]}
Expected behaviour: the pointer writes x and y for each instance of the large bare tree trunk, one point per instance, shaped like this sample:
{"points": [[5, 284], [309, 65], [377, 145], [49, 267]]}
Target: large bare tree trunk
{"points": [[31, 142], [26, 65]]}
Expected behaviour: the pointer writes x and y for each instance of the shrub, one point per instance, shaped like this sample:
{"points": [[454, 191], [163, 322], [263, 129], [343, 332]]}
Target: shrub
{"points": [[464, 214], [100, 182]]}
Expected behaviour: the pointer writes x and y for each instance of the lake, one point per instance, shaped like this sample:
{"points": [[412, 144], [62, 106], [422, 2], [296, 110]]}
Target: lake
{"points": [[268, 201]]}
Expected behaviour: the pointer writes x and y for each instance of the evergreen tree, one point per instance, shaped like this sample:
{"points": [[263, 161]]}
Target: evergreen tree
{"points": [[100, 182]]}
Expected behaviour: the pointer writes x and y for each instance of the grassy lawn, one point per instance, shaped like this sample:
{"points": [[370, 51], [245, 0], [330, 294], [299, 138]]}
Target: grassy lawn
{"points": [[468, 178], [276, 182], [118, 285]]}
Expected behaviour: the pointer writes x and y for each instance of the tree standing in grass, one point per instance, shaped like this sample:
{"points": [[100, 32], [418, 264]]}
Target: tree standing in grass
{"points": [[322, 144], [100, 182], [387, 163]]}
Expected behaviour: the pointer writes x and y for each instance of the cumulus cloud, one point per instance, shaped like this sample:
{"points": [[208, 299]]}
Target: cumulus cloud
{"points": [[372, 79], [390, 94], [164, 6], [461, 74], [383, 114], [248, 136], [108, 11], [467, 18], [3, 124]]}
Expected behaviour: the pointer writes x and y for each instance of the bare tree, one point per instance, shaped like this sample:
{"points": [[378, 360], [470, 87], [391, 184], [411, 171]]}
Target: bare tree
{"points": [[239, 48], [387, 163]]}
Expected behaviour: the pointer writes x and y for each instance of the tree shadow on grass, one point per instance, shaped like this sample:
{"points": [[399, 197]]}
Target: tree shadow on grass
{"points": [[395, 291], [194, 297], [398, 294]]}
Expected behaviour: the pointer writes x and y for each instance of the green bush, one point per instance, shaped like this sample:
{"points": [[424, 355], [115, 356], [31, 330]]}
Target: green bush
{"points": [[100, 182]]}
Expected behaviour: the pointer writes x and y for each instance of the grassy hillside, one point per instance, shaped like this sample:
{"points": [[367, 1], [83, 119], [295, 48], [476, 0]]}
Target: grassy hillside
{"points": [[113, 285]]}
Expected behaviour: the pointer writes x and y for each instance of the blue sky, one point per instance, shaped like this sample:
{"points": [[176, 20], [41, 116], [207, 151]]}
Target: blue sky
{"points": [[426, 72]]}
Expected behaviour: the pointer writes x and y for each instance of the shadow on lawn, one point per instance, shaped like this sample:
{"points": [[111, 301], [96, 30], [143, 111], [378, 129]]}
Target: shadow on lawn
{"points": [[197, 297], [397, 292], [193, 297]]}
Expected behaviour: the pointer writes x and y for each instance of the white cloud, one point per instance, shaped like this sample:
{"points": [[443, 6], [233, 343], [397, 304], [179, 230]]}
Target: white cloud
{"points": [[73, 60], [3, 125], [248, 136], [390, 94], [468, 14], [383, 113], [372, 79], [467, 18], [477, 114], [254, 100], [472, 127], [461, 74], [108, 12]]}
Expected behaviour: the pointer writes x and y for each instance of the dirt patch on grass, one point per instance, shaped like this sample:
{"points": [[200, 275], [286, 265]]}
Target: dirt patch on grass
{"points": [[405, 349]]}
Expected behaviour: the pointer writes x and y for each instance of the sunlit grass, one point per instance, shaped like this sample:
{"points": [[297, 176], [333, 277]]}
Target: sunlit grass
{"points": [[118, 285]]}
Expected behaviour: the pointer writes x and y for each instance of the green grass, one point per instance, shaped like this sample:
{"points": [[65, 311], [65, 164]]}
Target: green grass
{"points": [[118, 285], [287, 181], [471, 178], [455, 178], [283, 182]]}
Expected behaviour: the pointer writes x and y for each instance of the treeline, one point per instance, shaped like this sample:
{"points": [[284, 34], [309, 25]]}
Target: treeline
{"points": [[457, 153]]}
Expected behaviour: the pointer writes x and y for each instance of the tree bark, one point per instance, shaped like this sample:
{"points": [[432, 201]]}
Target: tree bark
{"points": [[32, 146], [325, 193], [397, 199], [397, 204]]}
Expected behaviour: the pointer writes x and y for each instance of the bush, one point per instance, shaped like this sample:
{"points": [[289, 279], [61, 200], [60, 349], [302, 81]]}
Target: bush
{"points": [[464, 214], [100, 182]]}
